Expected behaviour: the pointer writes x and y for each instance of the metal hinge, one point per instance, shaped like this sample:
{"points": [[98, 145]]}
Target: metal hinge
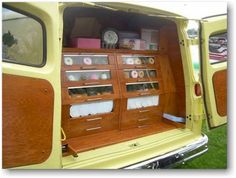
{"points": [[181, 42]]}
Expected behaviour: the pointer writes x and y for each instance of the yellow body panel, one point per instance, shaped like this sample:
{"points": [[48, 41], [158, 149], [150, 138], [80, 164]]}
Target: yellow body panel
{"points": [[209, 27], [48, 13], [117, 155]]}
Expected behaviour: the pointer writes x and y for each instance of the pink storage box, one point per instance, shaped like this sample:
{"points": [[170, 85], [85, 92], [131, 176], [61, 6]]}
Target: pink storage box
{"points": [[92, 43]]}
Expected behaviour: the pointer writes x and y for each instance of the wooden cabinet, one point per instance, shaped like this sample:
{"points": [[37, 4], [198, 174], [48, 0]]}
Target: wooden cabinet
{"points": [[139, 75], [140, 118], [110, 90], [88, 77]]}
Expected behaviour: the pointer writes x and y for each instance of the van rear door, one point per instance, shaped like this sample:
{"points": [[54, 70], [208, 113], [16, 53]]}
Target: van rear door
{"points": [[214, 68], [31, 96]]}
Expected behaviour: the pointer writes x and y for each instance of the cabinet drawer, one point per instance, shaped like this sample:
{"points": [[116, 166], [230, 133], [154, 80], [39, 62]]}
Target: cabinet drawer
{"points": [[91, 125], [140, 118], [137, 61], [73, 78], [88, 93], [87, 61]]}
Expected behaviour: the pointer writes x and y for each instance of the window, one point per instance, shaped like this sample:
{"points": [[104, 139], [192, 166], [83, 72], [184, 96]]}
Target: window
{"points": [[22, 39], [218, 48]]}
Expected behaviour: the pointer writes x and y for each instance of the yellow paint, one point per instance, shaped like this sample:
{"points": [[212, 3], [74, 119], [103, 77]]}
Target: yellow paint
{"points": [[48, 12], [117, 155], [212, 26]]}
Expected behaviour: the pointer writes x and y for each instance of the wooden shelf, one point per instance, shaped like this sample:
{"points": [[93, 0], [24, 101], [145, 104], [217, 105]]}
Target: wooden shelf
{"points": [[78, 50], [89, 142]]}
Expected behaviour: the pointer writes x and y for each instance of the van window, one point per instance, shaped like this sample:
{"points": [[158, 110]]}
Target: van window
{"points": [[22, 39], [218, 48]]}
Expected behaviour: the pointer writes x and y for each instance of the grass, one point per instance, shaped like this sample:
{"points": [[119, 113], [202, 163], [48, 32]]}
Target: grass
{"points": [[216, 157]]}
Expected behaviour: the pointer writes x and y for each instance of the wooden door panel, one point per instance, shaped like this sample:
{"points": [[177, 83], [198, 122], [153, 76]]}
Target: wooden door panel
{"points": [[27, 120], [220, 90]]}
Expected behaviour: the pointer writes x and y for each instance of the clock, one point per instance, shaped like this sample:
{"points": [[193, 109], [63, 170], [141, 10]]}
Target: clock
{"points": [[110, 38]]}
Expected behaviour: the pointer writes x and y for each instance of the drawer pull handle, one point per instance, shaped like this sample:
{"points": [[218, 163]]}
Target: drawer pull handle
{"points": [[94, 128], [144, 94], [92, 83], [142, 80], [142, 126], [94, 119], [138, 67], [144, 119], [88, 68], [144, 110], [94, 99]]}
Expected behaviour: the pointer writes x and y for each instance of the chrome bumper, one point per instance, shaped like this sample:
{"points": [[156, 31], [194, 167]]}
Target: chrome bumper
{"points": [[173, 158]]}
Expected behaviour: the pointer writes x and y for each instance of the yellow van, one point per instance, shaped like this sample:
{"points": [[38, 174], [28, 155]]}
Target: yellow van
{"points": [[109, 85]]}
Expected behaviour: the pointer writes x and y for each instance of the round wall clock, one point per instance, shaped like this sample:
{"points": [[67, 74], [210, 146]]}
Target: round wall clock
{"points": [[110, 38]]}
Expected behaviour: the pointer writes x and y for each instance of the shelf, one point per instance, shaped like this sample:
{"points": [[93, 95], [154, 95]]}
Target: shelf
{"points": [[67, 100], [89, 142], [78, 50]]}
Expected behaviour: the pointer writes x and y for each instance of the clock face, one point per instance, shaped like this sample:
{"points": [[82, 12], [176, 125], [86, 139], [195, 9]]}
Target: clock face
{"points": [[110, 37]]}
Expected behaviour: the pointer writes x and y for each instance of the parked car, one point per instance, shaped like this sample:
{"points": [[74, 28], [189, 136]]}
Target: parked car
{"points": [[78, 95]]}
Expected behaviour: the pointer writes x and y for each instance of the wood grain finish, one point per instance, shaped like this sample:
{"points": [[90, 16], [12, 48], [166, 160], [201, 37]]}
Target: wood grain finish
{"points": [[75, 127], [141, 117], [220, 90], [27, 120], [172, 73], [69, 99], [110, 59], [105, 51], [126, 124], [85, 143]]}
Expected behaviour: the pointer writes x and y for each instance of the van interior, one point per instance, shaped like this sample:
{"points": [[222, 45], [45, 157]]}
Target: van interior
{"points": [[118, 92]]}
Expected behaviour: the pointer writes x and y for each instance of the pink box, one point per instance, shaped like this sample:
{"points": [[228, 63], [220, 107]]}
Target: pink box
{"points": [[90, 43]]}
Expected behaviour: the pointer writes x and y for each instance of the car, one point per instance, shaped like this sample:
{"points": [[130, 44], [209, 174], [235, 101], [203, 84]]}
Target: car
{"points": [[77, 94]]}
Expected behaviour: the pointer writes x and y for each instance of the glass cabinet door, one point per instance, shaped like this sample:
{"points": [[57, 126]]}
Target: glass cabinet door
{"points": [[140, 73], [87, 91], [142, 87], [138, 60], [83, 75], [86, 60]]}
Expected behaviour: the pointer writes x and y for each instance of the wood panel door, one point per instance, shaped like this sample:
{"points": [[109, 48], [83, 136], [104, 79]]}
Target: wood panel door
{"points": [[31, 89], [214, 68]]}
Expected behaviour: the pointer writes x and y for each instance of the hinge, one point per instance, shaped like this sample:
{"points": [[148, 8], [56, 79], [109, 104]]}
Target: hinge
{"points": [[181, 42]]}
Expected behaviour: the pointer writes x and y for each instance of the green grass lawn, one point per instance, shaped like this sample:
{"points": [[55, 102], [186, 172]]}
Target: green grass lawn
{"points": [[216, 157]]}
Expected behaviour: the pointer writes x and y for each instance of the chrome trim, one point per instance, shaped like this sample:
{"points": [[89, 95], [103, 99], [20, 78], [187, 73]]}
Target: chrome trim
{"points": [[94, 119], [93, 128], [87, 54], [175, 157], [84, 71], [141, 82], [136, 55], [107, 85]]}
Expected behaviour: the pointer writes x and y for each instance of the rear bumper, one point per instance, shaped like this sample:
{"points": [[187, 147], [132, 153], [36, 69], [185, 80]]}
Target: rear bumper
{"points": [[173, 158]]}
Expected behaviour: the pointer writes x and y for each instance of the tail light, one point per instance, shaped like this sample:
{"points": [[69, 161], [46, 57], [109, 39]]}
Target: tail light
{"points": [[197, 89]]}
